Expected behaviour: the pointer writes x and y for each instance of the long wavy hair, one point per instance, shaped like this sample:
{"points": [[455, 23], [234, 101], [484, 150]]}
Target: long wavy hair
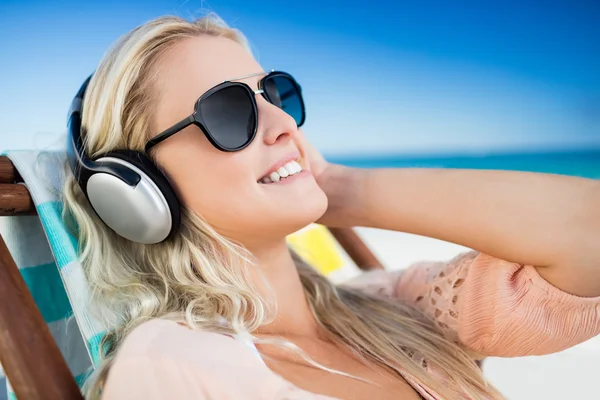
{"points": [[200, 278]]}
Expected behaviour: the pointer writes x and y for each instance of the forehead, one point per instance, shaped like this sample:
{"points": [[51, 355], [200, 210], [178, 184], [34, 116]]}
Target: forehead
{"points": [[197, 64]]}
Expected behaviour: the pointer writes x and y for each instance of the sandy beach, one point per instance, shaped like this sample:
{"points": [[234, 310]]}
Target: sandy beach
{"points": [[570, 374]]}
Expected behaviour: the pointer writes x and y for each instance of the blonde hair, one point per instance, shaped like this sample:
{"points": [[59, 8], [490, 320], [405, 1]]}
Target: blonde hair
{"points": [[198, 277]]}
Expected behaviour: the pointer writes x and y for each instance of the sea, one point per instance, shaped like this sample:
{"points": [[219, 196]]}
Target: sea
{"points": [[583, 163]]}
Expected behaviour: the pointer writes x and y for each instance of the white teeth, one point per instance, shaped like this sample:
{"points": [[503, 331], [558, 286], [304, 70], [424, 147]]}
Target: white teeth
{"points": [[297, 166], [289, 169], [283, 172], [274, 176]]}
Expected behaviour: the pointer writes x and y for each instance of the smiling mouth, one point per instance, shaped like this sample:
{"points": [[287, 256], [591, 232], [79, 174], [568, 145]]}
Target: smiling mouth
{"points": [[288, 170]]}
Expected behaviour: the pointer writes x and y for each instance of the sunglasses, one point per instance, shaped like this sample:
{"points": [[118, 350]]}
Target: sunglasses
{"points": [[228, 114]]}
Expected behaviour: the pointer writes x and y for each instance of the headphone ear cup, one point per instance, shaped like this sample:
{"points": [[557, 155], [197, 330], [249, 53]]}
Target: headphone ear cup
{"points": [[147, 213]]}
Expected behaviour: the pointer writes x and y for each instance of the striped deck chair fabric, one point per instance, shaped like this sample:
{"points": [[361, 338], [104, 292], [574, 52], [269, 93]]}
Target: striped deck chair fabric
{"points": [[46, 255]]}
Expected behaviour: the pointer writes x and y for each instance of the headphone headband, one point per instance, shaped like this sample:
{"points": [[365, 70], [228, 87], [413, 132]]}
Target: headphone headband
{"points": [[124, 187], [81, 165]]}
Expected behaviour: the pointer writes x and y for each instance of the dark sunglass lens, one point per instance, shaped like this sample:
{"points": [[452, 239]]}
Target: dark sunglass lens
{"points": [[283, 92], [229, 116]]}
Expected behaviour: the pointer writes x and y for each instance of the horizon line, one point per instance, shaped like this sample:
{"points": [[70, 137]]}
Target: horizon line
{"points": [[464, 153]]}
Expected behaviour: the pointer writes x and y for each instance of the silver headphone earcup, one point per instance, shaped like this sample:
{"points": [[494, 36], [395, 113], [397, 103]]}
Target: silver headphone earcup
{"points": [[140, 214]]}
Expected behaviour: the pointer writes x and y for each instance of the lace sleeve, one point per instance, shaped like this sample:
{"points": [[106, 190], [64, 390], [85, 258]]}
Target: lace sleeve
{"points": [[435, 289], [432, 287], [495, 307]]}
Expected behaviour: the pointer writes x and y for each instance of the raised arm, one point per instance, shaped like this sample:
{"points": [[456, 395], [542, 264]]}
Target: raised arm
{"points": [[549, 221]]}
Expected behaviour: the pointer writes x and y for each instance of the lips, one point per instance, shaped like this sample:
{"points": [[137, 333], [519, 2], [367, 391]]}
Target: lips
{"points": [[290, 168], [282, 163]]}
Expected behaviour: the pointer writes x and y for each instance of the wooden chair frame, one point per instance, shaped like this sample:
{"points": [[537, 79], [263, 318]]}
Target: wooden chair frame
{"points": [[29, 355]]}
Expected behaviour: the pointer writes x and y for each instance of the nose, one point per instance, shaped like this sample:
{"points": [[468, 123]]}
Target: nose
{"points": [[274, 124]]}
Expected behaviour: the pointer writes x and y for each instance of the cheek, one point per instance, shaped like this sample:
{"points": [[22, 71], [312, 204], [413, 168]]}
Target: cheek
{"points": [[215, 191], [209, 182]]}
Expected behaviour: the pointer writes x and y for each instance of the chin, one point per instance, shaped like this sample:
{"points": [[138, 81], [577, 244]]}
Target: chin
{"points": [[286, 216], [307, 211]]}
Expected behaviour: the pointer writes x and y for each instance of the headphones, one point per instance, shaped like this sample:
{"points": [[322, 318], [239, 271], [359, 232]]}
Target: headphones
{"points": [[124, 187]]}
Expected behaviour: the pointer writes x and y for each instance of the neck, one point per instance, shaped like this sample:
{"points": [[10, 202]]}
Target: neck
{"points": [[294, 317]]}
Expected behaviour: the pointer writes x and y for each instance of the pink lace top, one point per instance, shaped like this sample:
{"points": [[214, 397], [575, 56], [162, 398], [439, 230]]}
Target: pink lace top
{"points": [[493, 307]]}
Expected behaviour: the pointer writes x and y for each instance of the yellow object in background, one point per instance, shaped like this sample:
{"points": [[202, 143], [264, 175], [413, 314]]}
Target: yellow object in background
{"points": [[318, 247]]}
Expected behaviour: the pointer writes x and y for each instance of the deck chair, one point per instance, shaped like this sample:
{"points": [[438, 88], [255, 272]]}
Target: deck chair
{"points": [[48, 340]]}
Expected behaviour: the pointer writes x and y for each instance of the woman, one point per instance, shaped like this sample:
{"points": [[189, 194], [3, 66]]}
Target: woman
{"points": [[222, 309]]}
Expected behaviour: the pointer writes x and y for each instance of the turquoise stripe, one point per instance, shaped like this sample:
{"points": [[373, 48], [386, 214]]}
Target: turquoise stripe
{"points": [[81, 378], [63, 244], [47, 289], [94, 346], [3, 389]]}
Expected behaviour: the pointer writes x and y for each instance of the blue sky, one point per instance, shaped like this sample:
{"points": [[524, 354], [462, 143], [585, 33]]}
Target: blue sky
{"points": [[378, 77]]}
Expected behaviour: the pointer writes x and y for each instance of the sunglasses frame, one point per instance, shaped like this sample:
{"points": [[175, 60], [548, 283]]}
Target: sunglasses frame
{"points": [[196, 118]]}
